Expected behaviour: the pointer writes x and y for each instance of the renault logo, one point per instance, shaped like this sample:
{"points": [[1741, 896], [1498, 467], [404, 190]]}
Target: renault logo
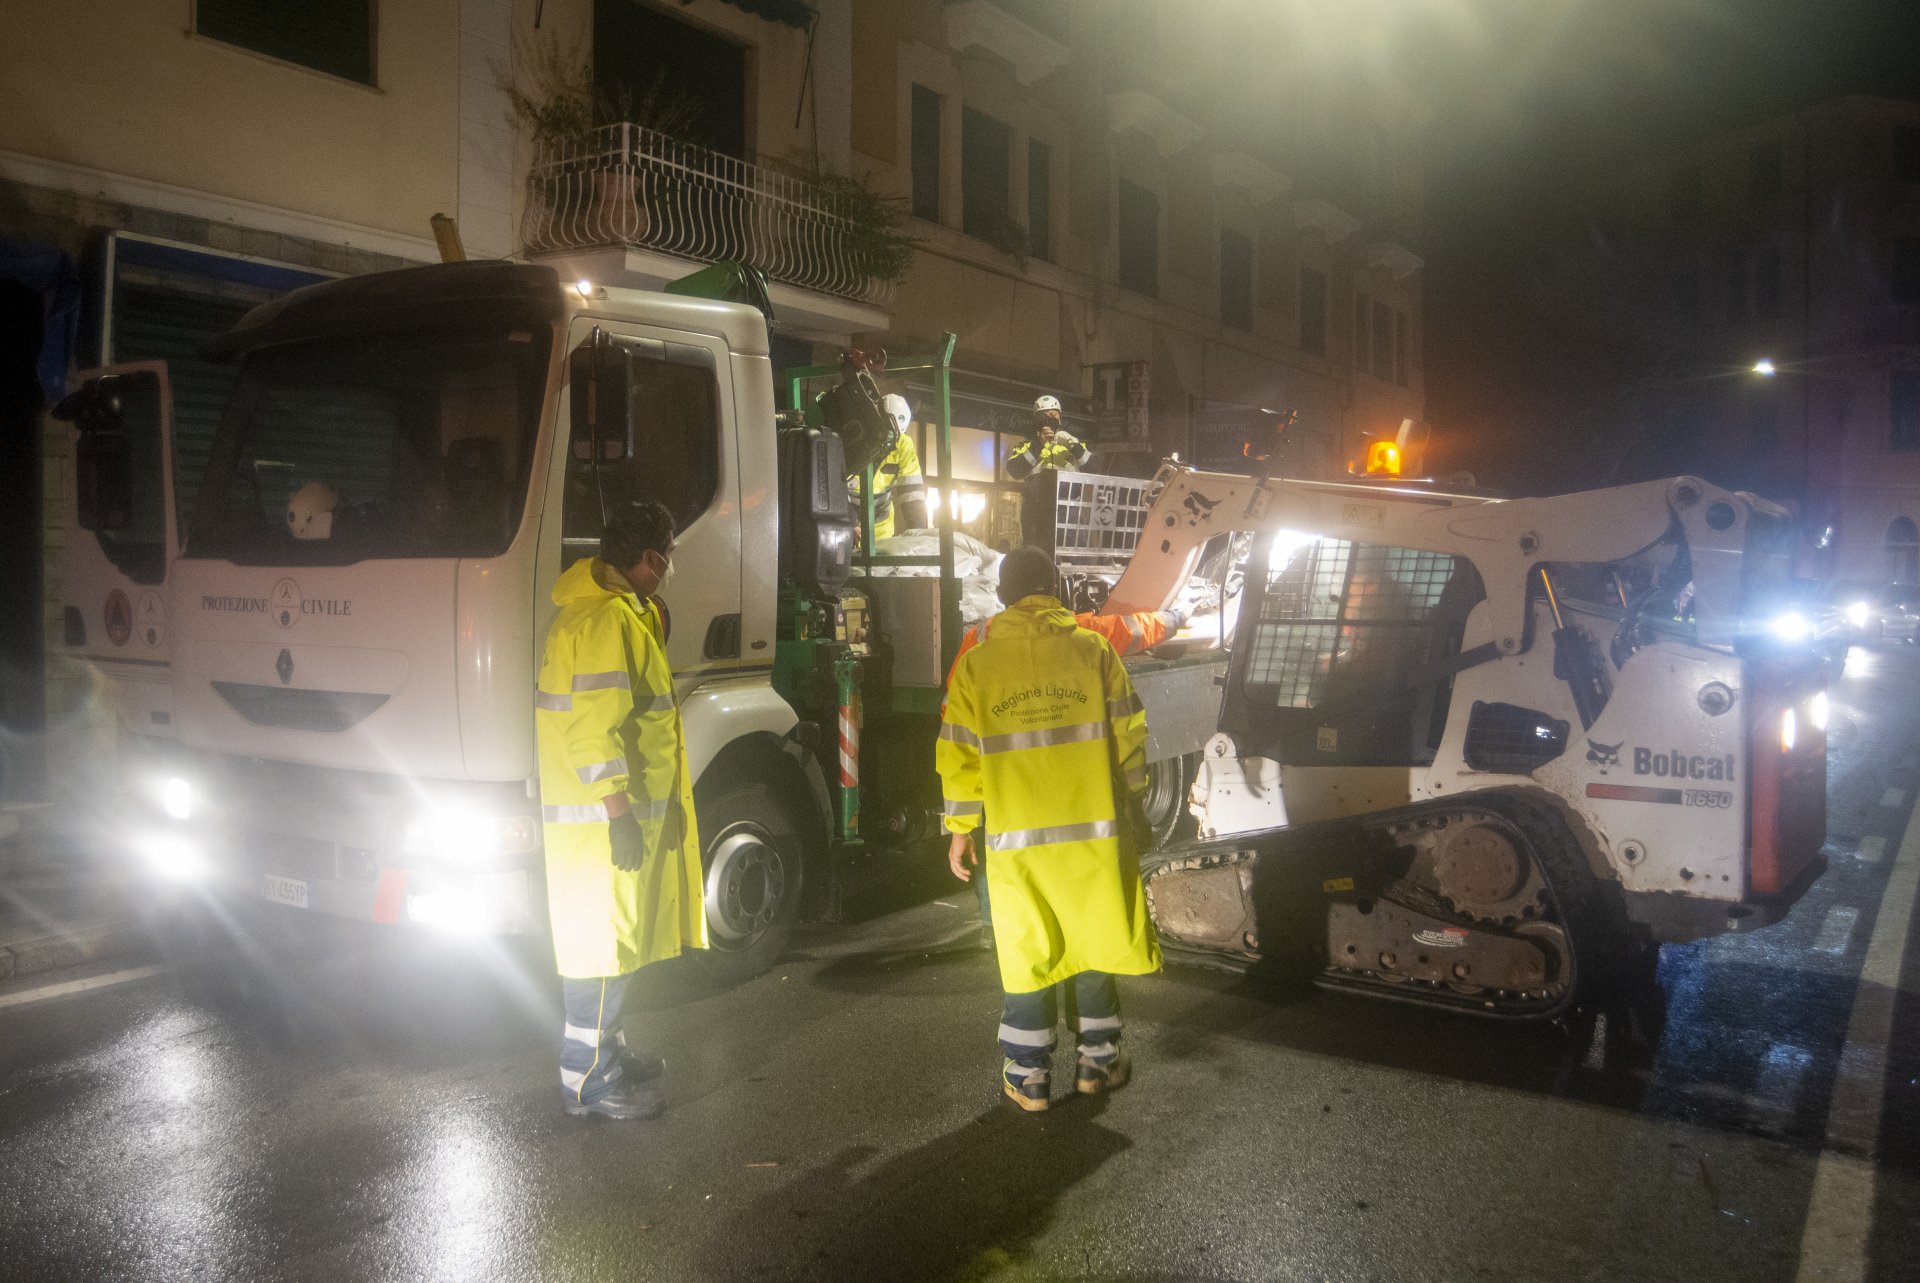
{"points": [[284, 667]]}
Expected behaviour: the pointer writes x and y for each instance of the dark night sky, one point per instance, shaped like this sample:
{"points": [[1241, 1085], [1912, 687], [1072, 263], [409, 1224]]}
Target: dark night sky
{"points": [[1529, 96]]}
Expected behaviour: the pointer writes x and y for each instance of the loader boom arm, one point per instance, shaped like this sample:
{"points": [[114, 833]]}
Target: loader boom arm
{"points": [[1504, 538]]}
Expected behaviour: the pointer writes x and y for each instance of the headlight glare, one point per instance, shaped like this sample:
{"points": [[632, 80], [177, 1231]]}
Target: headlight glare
{"points": [[450, 834]]}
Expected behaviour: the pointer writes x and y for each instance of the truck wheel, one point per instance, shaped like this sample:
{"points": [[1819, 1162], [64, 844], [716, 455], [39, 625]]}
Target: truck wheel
{"points": [[1166, 797], [751, 862]]}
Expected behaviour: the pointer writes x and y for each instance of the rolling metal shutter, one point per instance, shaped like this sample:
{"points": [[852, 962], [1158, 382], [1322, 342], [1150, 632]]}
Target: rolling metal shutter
{"points": [[163, 303]]}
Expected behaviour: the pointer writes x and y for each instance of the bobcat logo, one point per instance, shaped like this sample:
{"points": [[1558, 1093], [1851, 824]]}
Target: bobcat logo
{"points": [[1604, 755], [1199, 508]]}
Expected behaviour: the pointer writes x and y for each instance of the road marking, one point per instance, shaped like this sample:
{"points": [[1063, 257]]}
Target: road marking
{"points": [[1833, 1242], [62, 990], [1836, 929], [1873, 849], [1893, 797]]}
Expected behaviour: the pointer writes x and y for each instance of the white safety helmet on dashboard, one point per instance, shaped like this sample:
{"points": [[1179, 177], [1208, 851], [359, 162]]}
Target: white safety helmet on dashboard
{"points": [[310, 511], [898, 410]]}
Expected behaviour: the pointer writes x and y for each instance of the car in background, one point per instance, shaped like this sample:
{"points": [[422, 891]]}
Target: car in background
{"points": [[1870, 612]]}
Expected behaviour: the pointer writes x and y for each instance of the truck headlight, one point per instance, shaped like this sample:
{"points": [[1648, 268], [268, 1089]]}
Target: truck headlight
{"points": [[450, 834], [173, 856], [176, 798], [1790, 626], [1857, 614]]}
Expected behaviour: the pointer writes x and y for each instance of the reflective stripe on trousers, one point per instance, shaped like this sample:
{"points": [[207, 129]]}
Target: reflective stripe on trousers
{"points": [[591, 1040], [1027, 1020]]}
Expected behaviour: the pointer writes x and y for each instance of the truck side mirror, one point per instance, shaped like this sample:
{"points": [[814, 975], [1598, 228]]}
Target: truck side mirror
{"points": [[601, 375], [103, 459]]}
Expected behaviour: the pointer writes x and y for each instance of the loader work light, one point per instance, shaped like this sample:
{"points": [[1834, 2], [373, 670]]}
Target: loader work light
{"points": [[1383, 459]]}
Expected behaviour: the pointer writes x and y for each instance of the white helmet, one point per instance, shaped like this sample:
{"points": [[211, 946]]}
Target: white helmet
{"points": [[310, 511], [1042, 404], [898, 410]]}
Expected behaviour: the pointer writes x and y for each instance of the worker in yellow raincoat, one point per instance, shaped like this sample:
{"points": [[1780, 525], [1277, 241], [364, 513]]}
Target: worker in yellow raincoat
{"points": [[1045, 741], [622, 849], [899, 487]]}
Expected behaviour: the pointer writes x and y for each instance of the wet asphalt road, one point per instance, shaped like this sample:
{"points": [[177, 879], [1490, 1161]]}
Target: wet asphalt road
{"points": [[329, 1107]]}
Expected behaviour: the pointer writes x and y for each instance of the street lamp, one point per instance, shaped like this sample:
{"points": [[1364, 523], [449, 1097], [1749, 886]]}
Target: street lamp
{"points": [[1765, 368]]}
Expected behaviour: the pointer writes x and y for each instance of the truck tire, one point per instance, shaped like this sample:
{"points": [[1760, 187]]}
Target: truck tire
{"points": [[1165, 801], [751, 860]]}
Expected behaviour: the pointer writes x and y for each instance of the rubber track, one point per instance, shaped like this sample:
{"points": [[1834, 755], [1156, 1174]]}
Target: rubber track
{"points": [[1593, 935], [1573, 891]]}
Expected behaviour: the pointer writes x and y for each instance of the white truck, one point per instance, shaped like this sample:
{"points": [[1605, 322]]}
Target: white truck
{"points": [[340, 720]]}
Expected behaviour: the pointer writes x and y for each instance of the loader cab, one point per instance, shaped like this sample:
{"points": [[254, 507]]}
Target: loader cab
{"points": [[1342, 649]]}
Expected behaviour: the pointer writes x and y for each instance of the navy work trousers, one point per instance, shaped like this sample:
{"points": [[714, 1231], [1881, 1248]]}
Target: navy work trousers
{"points": [[592, 1043], [1027, 1020]]}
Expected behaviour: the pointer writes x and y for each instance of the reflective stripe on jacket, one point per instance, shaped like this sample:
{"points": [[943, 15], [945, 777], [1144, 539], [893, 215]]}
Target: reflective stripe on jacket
{"points": [[1044, 739], [606, 722], [1064, 454], [897, 476]]}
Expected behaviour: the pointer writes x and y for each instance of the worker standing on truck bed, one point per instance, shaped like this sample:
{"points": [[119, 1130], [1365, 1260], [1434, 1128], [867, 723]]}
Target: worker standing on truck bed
{"points": [[622, 849], [1050, 446], [899, 489], [1043, 734]]}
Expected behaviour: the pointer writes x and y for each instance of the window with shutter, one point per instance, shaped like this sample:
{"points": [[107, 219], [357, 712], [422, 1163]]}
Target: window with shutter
{"points": [[334, 36]]}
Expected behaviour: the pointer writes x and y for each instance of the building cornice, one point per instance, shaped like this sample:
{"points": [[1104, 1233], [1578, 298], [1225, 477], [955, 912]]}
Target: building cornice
{"points": [[1332, 222], [1242, 169], [981, 23], [1395, 258], [1149, 114]]}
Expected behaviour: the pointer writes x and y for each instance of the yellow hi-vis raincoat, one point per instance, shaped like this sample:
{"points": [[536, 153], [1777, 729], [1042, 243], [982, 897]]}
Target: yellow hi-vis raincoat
{"points": [[607, 723], [1044, 737], [897, 477]]}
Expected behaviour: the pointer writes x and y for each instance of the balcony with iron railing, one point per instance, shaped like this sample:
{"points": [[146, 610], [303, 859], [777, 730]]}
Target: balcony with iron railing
{"points": [[626, 186]]}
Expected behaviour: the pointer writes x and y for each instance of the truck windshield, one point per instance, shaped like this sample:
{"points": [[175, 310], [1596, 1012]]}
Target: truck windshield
{"points": [[399, 445]]}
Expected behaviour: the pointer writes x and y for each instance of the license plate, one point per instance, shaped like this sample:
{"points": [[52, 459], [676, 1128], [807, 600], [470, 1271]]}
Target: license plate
{"points": [[286, 891]]}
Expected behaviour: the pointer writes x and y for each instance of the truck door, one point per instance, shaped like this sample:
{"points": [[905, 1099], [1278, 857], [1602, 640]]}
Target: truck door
{"points": [[120, 536], [671, 447]]}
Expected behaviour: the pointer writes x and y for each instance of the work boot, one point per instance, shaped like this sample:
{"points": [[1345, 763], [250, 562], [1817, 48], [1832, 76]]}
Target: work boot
{"points": [[636, 1066], [623, 1100], [1025, 1086], [1101, 1073]]}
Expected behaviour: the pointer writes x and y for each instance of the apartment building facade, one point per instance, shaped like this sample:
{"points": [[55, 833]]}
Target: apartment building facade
{"points": [[1172, 217]]}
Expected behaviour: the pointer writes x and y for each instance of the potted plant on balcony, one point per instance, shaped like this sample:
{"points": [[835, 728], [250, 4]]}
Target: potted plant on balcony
{"points": [[586, 171], [873, 243]]}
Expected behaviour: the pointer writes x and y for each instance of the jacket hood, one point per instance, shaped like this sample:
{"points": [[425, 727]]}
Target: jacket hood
{"points": [[583, 581]]}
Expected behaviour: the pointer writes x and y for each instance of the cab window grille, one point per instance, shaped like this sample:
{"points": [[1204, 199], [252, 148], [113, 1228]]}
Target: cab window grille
{"points": [[1339, 616]]}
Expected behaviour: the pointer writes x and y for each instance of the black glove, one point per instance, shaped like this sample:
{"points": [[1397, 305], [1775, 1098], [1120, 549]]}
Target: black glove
{"points": [[629, 844]]}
